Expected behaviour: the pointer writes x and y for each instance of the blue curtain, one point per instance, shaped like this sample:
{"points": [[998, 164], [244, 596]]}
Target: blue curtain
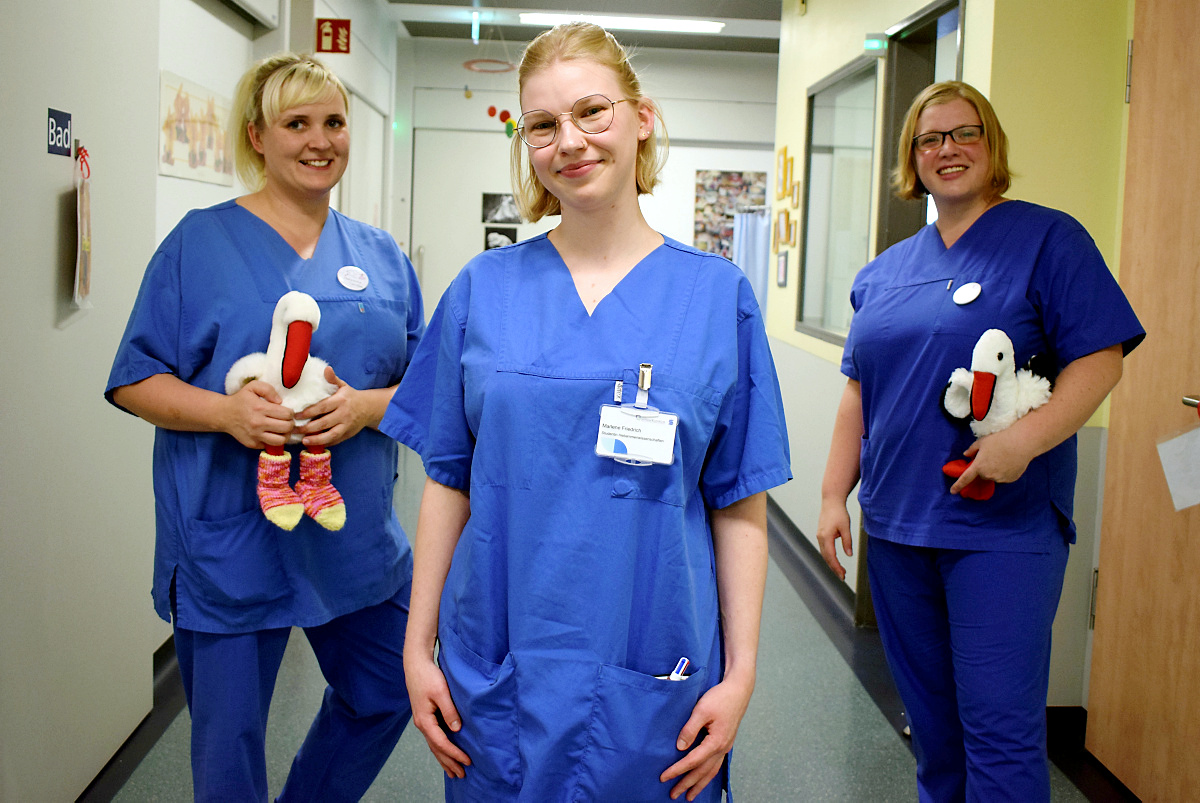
{"points": [[751, 250]]}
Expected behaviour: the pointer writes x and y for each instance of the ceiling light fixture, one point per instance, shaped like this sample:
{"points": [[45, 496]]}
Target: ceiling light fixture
{"points": [[626, 23]]}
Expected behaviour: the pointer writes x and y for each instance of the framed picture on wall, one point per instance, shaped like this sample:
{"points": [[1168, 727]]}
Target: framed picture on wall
{"points": [[498, 237], [783, 174], [783, 230], [500, 207], [194, 141], [781, 269]]}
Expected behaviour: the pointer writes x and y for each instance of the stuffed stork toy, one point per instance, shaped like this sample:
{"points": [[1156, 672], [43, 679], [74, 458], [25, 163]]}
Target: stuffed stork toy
{"points": [[299, 379], [993, 394]]}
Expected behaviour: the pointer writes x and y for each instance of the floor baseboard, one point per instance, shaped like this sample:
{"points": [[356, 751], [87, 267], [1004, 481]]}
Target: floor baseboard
{"points": [[168, 702]]}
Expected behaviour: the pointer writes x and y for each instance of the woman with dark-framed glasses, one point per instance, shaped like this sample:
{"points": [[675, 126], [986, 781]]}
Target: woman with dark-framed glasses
{"points": [[966, 581], [599, 417]]}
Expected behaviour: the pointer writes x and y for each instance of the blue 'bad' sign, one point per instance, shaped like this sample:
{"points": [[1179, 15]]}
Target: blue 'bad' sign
{"points": [[58, 138]]}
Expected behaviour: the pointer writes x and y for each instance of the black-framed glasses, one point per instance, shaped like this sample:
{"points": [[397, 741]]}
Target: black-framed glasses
{"points": [[963, 135], [591, 115]]}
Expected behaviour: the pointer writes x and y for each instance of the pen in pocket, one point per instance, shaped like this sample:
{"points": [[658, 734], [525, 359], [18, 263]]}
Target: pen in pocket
{"points": [[680, 668]]}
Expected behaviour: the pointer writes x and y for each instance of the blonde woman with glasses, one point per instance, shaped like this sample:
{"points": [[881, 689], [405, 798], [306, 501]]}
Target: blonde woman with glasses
{"points": [[966, 580], [599, 417]]}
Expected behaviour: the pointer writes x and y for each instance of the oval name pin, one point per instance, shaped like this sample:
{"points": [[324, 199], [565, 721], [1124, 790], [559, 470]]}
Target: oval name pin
{"points": [[352, 278], [967, 293]]}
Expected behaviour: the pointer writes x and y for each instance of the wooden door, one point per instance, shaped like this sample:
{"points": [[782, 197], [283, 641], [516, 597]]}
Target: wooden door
{"points": [[1144, 698]]}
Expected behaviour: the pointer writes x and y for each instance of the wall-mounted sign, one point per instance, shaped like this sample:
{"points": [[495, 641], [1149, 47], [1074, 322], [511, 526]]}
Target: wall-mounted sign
{"points": [[58, 138], [333, 36]]}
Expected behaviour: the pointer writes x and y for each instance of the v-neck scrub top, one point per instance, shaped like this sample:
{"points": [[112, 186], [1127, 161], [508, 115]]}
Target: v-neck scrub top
{"points": [[206, 300], [577, 579], [1044, 283]]}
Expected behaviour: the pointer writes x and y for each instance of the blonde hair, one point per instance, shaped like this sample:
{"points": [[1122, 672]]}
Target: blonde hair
{"points": [[582, 41], [267, 90], [905, 180]]}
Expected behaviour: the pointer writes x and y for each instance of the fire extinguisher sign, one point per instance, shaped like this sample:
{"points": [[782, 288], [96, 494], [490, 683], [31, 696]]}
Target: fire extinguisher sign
{"points": [[333, 36]]}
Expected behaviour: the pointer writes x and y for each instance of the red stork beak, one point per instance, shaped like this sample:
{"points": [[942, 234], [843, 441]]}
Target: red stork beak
{"points": [[982, 386], [295, 351]]}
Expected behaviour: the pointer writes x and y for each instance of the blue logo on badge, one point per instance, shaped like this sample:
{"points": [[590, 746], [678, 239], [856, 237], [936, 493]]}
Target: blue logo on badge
{"points": [[58, 138]]}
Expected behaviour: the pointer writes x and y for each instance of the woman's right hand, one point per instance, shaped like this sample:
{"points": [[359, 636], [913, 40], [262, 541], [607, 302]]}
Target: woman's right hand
{"points": [[256, 418], [431, 706], [834, 524]]}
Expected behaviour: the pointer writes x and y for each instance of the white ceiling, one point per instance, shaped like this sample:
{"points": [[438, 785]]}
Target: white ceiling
{"points": [[750, 25]]}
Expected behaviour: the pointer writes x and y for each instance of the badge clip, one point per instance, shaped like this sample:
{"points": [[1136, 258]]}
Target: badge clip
{"points": [[643, 394]]}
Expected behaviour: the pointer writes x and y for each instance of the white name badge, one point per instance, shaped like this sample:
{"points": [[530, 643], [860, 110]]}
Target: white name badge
{"points": [[638, 436], [352, 277]]}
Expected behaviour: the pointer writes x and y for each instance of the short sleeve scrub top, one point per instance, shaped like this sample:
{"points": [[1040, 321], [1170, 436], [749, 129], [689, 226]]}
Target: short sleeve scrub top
{"points": [[1039, 277], [579, 582], [207, 299]]}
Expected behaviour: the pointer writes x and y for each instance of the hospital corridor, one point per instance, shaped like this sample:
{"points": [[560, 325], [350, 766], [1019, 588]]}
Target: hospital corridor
{"points": [[916, 276]]}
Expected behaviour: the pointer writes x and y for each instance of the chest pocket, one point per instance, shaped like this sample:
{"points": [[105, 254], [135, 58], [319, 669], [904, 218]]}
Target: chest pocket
{"points": [[540, 433], [697, 407]]}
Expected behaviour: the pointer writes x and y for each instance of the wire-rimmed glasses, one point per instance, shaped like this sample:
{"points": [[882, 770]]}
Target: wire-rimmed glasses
{"points": [[591, 115]]}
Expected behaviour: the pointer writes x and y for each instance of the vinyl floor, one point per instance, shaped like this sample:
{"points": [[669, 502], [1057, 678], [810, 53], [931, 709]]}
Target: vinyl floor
{"points": [[812, 732]]}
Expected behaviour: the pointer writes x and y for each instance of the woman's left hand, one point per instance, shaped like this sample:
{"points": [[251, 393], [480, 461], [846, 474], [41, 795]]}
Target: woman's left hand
{"points": [[1000, 457], [720, 712], [338, 417]]}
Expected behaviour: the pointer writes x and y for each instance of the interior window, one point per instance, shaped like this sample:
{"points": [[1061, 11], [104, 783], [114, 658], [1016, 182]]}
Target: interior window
{"points": [[837, 209]]}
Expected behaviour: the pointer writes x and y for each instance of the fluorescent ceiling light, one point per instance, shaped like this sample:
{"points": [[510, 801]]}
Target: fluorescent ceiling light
{"points": [[626, 23]]}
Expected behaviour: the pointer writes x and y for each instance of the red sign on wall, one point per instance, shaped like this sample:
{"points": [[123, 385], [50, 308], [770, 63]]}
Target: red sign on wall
{"points": [[333, 36]]}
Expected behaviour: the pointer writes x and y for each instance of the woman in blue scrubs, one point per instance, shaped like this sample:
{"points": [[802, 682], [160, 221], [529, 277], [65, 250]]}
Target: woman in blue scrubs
{"points": [[232, 583], [599, 417], [965, 590]]}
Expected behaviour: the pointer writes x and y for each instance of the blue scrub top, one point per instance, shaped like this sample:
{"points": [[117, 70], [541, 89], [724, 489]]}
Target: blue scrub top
{"points": [[1046, 285], [578, 579], [207, 299]]}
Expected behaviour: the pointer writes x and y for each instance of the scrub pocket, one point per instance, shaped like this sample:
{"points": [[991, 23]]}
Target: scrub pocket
{"points": [[485, 696], [237, 559], [657, 482], [635, 723]]}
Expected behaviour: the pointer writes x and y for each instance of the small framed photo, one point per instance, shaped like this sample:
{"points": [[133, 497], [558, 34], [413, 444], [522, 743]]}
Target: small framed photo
{"points": [[783, 174], [498, 237], [781, 269], [782, 230], [795, 194], [500, 207]]}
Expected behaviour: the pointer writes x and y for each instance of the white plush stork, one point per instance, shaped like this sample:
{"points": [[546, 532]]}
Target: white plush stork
{"points": [[299, 379], [993, 394]]}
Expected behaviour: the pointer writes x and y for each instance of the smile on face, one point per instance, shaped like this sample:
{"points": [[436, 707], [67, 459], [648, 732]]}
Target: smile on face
{"points": [[306, 149], [953, 173], [577, 168]]}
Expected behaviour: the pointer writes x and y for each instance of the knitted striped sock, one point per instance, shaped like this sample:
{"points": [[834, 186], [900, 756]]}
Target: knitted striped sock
{"points": [[322, 502], [279, 502]]}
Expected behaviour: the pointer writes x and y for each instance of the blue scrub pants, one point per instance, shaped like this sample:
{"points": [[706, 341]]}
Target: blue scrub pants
{"points": [[229, 680], [967, 637]]}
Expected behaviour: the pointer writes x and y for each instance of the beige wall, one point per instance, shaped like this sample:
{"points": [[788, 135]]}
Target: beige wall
{"points": [[75, 554], [1055, 73]]}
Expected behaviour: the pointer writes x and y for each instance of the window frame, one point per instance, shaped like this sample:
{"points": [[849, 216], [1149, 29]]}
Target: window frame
{"points": [[858, 67]]}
